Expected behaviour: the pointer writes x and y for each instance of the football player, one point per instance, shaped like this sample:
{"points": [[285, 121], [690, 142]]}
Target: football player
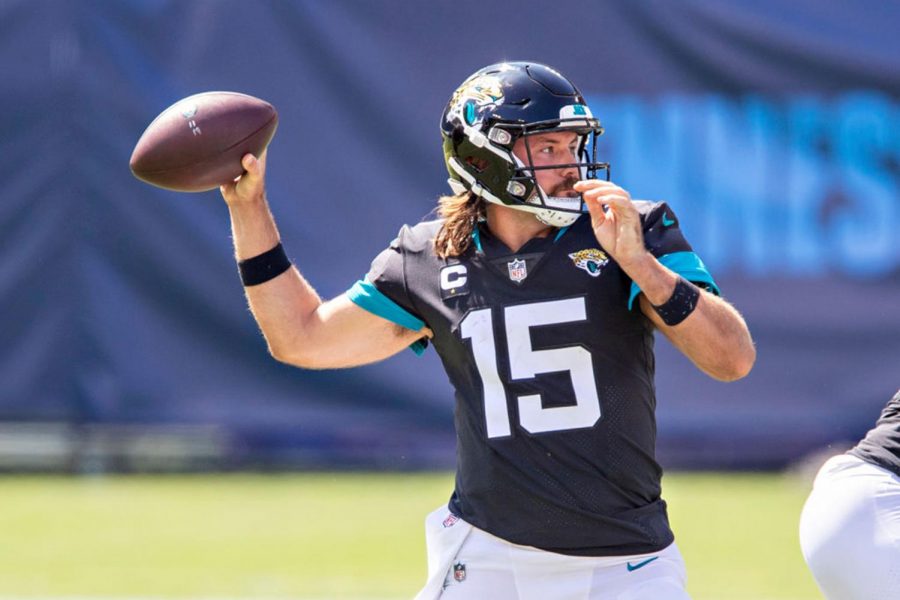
{"points": [[540, 287], [850, 525]]}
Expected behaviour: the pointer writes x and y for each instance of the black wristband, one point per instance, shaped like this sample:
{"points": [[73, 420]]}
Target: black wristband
{"points": [[266, 266], [682, 303]]}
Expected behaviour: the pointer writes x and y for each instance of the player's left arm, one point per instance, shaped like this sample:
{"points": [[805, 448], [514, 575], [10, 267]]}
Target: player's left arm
{"points": [[714, 336]]}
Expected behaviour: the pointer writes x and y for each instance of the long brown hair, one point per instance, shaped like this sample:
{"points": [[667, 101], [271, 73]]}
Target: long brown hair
{"points": [[461, 214]]}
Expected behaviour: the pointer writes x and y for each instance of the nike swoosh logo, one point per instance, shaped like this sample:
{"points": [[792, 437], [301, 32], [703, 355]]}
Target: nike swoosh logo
{"points": [[667, 221], [643, 563]]}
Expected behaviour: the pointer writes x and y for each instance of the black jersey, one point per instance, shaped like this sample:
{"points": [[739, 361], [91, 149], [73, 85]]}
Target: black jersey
{"points": [[881, 446], [553, 370]]}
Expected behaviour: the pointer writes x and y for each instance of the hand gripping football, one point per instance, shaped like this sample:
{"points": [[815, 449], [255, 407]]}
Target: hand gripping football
{"points": [[197, 143]]}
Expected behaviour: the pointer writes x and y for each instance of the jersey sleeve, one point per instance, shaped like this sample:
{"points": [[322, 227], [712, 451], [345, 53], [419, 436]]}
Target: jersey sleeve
{"points": [[383, 292], [665, 240]]}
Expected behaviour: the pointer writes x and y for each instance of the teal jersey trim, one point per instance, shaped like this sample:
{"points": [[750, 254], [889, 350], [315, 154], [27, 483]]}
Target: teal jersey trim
{"points": [[366, 296], [686, 264], [419, 347], [560, 233], [476, 237]]}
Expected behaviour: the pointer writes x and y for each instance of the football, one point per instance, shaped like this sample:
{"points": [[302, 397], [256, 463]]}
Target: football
{"points": [[197, 143]]}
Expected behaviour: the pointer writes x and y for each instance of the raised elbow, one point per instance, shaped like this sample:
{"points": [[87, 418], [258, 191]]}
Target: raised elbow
{"points": [[280, 354], [302, 357], [290, 356], [738, 367]]}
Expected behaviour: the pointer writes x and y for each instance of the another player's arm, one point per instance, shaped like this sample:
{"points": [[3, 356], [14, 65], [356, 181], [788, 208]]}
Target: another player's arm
{"points": [[299, 328], [714, 336]]}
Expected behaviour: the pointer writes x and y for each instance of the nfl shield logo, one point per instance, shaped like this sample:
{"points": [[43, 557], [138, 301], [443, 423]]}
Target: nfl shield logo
{"points": [[450, 521], [517, 270], [459, 572]]}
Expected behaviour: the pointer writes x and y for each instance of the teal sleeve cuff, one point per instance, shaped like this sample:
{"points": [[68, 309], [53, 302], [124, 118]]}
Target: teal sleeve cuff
{"points": [[686, 264], [366, 296]]}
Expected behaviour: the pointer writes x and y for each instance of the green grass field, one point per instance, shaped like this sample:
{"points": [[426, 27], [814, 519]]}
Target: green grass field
{"points": [[338, 535]]}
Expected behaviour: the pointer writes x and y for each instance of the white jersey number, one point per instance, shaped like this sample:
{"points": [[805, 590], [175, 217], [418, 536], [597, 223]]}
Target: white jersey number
{"points": [[526, 363]]}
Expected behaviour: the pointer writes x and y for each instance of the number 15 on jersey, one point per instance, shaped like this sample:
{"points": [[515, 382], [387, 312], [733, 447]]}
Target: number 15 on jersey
{"points": [[527, 363]]}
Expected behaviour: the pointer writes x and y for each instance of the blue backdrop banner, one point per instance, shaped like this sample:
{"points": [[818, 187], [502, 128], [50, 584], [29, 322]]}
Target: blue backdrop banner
{"points": [[772, 128]]}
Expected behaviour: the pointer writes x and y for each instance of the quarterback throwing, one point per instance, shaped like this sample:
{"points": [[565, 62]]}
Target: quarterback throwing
{"points": [[540, 287]]}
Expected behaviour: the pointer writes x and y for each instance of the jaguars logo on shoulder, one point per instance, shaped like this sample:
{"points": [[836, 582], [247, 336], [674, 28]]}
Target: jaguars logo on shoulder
{"points": [[590, 260]]}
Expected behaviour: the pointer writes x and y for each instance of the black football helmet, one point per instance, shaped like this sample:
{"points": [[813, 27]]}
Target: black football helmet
{"points": [[500, 104]]}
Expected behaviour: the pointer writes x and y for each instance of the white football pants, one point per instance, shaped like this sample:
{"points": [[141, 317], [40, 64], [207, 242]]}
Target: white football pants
{"points": [[850, 530], [466, 563]]}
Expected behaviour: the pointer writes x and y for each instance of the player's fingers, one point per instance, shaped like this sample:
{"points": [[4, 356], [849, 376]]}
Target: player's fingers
{"points": [[601, 192], [592, 183], [595, 208], [623, 208], [600, 189], [586, 185], [614, 199], [614, 196], [250, 164], [255, 168]]}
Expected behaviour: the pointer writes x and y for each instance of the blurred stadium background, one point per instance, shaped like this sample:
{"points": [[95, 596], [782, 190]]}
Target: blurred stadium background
{"points": [[772, 128]]}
